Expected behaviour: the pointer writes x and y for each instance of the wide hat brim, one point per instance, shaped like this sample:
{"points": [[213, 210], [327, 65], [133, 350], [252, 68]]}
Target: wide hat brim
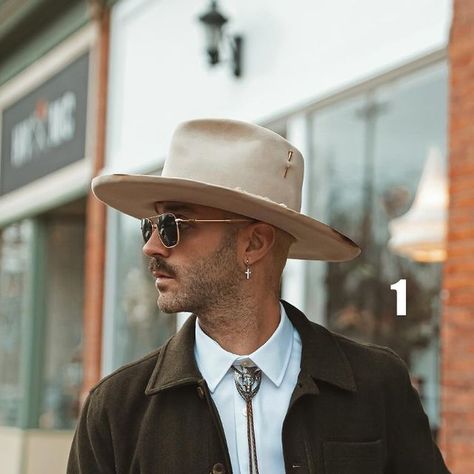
{"points": [[136, 196]]}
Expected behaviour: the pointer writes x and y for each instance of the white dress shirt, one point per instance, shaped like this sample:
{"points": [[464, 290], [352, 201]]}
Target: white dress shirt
{"points": [[279, 359]]}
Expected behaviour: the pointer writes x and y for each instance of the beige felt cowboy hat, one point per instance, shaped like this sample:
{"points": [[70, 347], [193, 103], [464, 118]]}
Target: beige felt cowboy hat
{"points": [[238, 167]]}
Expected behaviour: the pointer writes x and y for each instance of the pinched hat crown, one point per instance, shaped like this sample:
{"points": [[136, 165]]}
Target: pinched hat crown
{"points": [[239, 156]]}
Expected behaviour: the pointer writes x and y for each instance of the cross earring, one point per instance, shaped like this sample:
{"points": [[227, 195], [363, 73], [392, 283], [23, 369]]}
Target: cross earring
{"points": [[247, 272]]}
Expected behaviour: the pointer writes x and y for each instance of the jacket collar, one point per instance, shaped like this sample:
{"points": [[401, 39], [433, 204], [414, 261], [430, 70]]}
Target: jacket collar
{"points": [[321, 358]]}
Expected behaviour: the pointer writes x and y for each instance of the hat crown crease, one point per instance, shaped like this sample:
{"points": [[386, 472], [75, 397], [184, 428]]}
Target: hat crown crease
{"points": [[250, 159]]}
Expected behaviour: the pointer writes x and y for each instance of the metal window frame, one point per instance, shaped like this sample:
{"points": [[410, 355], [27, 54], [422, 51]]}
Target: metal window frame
{"points": [[33, 329]]}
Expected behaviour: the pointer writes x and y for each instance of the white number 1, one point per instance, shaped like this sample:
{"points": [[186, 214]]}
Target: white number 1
{"points": [[401, 288]]}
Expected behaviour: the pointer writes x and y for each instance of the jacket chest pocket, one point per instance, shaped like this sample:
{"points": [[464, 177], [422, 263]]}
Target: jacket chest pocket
{"points": [[349, 457]]}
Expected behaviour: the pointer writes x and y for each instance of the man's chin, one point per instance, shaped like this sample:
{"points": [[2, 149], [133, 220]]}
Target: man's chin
{"points": [[168, 306]]}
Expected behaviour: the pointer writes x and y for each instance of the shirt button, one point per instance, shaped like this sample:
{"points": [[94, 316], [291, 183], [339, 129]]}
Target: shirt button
{"points": [[200, 392], [244, 411], [218, 468]]}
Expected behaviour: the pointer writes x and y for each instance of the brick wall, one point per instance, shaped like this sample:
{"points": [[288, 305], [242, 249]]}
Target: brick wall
{"points": [[457, 327]]}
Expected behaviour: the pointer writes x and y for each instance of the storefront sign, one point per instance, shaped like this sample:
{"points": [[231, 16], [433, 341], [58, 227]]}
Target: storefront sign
{"points": [[45, 130]]}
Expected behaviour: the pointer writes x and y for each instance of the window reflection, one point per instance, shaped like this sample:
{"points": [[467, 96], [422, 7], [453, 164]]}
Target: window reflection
{"points": [[369, 156], [139, 326], [64, 302], [15, 242]]}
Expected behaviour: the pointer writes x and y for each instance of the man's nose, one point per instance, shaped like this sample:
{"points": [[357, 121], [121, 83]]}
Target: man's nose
{"points": [[154, 246]]}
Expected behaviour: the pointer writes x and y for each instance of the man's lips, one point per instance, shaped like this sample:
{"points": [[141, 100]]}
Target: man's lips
{"points": [[161, 280], [161, 275]]}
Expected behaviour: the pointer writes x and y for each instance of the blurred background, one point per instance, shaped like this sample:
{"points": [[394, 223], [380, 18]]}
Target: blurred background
{"points": [[379, 97]]}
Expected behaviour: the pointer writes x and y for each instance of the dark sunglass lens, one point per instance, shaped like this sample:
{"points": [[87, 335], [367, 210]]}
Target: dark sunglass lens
{"points": [[168, 230], [147, 229]]}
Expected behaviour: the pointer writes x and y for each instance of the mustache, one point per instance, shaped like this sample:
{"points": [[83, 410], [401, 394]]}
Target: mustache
{"points": [[156, 264]]}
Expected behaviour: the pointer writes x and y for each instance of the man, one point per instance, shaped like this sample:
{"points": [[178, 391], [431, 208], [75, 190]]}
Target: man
{"points": [[249, 384]]}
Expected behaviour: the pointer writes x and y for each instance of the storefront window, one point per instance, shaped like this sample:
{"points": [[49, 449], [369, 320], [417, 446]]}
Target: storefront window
{"points": [[369, 153], [64, 298], [15, 242], [138, 325]]}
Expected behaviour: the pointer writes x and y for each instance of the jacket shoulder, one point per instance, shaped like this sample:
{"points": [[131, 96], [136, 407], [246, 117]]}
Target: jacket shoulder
{"points": [[133, 375], [373, 364], [369, 349]]}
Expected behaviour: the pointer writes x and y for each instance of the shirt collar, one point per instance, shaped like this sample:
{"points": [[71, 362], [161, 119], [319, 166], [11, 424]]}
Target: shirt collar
{"points": [[323, 358], [272, 357]]}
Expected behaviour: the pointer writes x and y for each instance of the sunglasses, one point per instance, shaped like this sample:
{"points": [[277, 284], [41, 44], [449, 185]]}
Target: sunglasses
{"points": [[168, 226]]}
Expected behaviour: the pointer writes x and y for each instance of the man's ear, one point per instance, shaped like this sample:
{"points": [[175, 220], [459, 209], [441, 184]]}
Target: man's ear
{"points": [[259, 240]]}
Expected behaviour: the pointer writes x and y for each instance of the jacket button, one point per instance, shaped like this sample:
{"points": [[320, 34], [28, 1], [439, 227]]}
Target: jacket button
{"points": [[218, 468], [200, 392]]}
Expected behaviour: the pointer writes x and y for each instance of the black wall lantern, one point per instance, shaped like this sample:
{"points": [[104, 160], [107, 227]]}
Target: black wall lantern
{"points": [[214, 22]]}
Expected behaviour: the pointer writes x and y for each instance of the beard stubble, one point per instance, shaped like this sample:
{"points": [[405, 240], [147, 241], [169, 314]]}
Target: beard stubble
{"points": [[206, 284]]}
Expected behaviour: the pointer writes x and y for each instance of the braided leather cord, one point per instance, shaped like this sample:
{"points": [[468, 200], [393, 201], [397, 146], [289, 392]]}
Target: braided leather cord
{"points": [[247, 380]]}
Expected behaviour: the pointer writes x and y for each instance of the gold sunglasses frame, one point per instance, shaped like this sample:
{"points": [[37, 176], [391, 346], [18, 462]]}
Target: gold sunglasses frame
{"points": [[178, 220]]}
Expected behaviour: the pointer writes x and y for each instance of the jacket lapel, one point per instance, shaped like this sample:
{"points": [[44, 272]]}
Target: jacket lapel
{"points": [[321, 357], [176, 364]]}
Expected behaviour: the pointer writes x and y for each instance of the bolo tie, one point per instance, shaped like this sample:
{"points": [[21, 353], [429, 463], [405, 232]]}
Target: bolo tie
{"points": [[247, 380]]}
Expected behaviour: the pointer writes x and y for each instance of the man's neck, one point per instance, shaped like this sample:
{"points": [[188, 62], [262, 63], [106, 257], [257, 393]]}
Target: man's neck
{"points": [[243, 327]]}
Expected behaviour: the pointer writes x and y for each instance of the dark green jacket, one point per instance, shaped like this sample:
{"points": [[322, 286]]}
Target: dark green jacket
{"points": [[353, 411]]}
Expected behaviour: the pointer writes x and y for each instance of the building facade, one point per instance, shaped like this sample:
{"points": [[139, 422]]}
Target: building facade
{"points": [[457, 429], [376, 96], [50, 88]]}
